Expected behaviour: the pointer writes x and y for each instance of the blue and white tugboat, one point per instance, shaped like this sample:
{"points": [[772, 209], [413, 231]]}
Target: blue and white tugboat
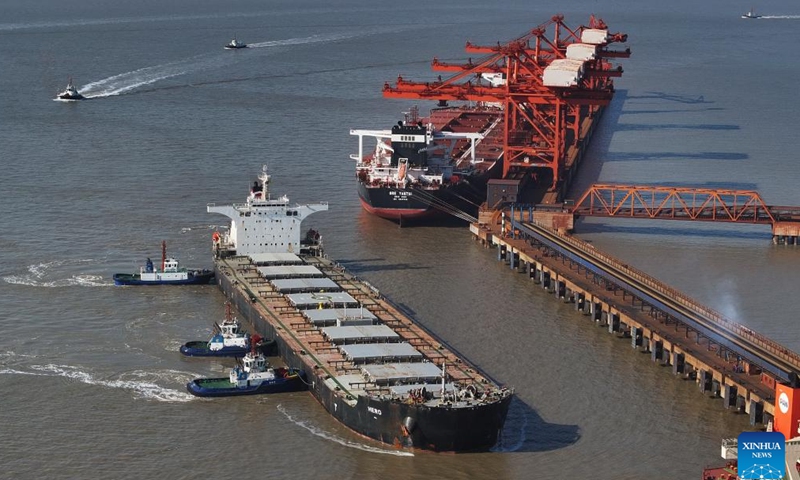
{"points": [[228, 341], [254, 376], [170, 273], [70, 93], [235, 45]]}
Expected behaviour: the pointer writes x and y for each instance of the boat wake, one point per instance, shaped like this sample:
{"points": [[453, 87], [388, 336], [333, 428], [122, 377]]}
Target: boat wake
{"points": [[38, 275], [126, 82], [304, 40], [140, 383], [116, 21], [779, 17], [198, 227], [11, 371], [341, 441]]}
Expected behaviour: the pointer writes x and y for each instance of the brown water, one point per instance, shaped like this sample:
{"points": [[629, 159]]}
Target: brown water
{"points": [[93, 382]]}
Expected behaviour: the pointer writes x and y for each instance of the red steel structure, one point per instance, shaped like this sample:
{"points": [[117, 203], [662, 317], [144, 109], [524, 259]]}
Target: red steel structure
{"points": [[540, 122], [678, 203]]}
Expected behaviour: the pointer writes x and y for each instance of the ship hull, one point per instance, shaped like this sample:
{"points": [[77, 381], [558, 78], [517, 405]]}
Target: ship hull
{"points": [[201, 349], [210, 387], [201, 278], [395, 203], [411, 426], [400, 204]]}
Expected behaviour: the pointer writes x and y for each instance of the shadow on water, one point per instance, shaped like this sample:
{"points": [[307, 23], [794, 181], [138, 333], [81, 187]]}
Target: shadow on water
{"points": [[444, 220], [270, 76], [629, 127], [587, 228], [669, 97], [649, 156], [525, 430], [684, 110], [374, 265]]}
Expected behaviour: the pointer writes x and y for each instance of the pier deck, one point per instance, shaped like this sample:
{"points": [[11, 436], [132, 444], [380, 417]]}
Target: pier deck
{"points": [[726, 359]]}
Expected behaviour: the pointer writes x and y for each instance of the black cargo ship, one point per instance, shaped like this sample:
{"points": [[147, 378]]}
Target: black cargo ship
{"points": [[372, 367], [427, 167]]}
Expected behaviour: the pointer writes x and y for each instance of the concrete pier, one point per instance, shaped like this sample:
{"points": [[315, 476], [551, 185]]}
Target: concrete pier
{"points": [[717, 362]]}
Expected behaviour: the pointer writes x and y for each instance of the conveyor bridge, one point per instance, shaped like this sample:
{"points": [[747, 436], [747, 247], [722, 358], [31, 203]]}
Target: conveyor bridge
{"points": [[690, 204], [757, 349]]}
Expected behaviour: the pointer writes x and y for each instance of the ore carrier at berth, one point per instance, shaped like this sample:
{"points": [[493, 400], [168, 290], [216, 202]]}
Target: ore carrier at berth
{"points": [[370, 366]]}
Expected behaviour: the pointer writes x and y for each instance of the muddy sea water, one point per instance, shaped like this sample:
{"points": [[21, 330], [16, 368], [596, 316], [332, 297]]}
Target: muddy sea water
{"points": [[92, 385]]}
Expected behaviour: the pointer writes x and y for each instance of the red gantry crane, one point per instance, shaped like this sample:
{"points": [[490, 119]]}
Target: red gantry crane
{"points": [[548, 81]]}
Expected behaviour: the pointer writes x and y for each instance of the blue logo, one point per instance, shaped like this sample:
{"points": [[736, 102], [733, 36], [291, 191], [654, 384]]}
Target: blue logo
{"points": [[762, 455]]}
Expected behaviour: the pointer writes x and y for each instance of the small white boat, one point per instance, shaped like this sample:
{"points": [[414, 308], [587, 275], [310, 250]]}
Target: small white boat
{"points": [[70, 93], [235, 44], [751, 14]]}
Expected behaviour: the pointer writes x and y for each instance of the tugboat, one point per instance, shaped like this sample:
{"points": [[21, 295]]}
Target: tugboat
{"points": [[70, 93], [254, 376], [235, 44], [228, 341], [170, 273], [751, 14]]}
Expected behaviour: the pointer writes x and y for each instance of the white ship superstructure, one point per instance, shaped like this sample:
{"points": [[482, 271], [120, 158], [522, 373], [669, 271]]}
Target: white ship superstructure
{"points": [[410, 154], [264, 224]]}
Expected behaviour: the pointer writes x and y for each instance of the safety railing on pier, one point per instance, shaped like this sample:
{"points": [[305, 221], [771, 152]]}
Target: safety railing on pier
{"points": [[779, 351]]}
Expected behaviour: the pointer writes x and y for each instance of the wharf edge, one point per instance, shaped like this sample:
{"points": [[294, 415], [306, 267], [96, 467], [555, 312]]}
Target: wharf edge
{"points": [[747, 383]]}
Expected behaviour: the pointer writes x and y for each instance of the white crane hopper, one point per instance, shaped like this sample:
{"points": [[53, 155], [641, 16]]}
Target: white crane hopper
{"points": [[495, 79], [581, 51], [594, 36], [563, 73]]}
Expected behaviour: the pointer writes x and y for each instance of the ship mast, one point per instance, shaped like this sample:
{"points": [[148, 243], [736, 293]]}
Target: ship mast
{"points": [[444, 375], [263, 177], [163, 254]]}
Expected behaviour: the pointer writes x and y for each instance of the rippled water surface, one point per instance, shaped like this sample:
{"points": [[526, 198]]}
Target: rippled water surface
{"points": [[93, 386]]}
